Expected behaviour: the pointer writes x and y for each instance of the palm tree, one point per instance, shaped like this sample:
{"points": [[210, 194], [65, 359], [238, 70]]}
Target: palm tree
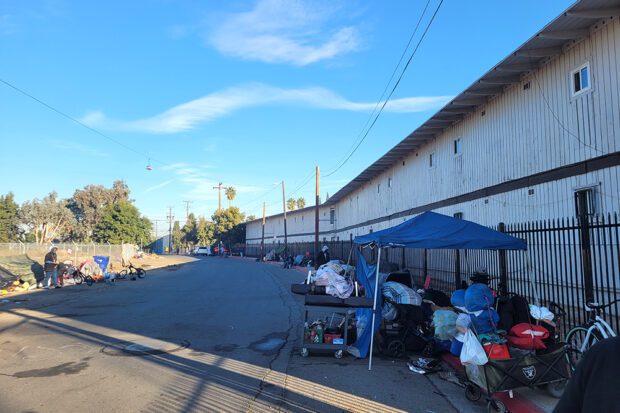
{"points": [[301, 202], [291, 204], [231, 193]]}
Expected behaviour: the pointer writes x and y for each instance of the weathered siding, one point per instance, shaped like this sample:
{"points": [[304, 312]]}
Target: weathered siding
{"points": [[523, 132]]}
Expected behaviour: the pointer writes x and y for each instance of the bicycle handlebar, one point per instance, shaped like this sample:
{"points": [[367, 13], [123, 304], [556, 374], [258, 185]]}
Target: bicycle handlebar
{"points": [[596, 306]]}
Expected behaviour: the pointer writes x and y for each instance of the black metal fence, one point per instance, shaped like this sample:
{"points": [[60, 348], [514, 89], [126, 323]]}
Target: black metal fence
{"points": [[568, 261]]}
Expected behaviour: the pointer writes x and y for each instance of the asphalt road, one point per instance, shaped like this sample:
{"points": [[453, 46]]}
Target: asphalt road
{"points": [[217, 335]]}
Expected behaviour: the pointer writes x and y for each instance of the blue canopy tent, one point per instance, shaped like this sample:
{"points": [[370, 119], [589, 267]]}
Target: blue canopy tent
{"points": [[433, 231]]}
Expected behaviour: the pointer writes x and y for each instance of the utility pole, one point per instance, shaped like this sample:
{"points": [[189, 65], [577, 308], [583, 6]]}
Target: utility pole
{"points": [[219, 188], [187, 204], [262, 239], [284, 207], [170, 218], [316, 215]]}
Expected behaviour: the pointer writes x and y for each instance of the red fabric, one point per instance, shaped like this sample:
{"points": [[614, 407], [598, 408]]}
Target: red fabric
{"points": [[528, 336], [496, 351]]}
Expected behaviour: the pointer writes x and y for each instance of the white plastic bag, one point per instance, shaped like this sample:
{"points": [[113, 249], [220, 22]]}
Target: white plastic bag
{"points": [[472, 352]]}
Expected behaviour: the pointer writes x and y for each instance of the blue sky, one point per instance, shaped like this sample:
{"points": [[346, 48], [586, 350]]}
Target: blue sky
{"points": [[248, 93]]}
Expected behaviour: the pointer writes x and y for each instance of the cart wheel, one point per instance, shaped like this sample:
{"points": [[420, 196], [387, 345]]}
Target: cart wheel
{"points": [[472, 392], [556, 389], [338, 354], [429, 350], [305, 352], [396, 348], [495, 406]]}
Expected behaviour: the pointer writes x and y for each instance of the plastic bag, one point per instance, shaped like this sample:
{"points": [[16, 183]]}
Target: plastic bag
{"points": [[444, 322], [472, 352], [541, 313]]}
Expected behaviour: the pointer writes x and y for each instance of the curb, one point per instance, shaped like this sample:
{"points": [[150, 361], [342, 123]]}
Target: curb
{"points": [[516, 404]]}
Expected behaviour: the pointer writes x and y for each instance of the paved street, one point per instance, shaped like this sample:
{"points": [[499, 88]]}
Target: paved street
{"points": [[213, 335]]}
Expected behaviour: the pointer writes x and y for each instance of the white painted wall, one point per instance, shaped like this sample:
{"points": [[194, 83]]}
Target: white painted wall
{"points": [[523, 132]]}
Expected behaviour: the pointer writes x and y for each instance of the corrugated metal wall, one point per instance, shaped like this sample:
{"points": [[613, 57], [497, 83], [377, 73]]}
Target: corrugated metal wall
{"points": [[524, 131]]}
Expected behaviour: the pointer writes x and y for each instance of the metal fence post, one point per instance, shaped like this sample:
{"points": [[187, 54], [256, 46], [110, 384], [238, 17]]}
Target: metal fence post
{"points": [[503, 267], [457, 269], [584, 241]]}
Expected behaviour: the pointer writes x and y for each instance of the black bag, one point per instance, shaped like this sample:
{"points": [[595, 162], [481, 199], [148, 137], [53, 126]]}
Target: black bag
{"points": [[512, 310]]}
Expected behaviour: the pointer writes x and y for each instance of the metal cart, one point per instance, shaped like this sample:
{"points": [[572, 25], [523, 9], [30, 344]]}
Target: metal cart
{"points": [[338, 349]]}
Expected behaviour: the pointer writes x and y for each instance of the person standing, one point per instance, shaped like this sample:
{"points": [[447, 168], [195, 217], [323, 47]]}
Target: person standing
{"points": [[51, 268], [323, 257]]}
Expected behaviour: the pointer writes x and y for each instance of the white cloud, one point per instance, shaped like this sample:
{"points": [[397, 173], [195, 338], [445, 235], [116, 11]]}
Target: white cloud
{"points": [[7, 24], [284, 31], [191, 114], [158, 186], [75, 147], [199, 185]]}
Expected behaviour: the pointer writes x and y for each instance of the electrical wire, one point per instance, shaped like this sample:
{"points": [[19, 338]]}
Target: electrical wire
{"points": [[387, 85], [333, 171], [71, 118]]}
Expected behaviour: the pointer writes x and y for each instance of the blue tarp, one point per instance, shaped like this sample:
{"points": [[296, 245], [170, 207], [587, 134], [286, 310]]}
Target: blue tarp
{"points": [[436, 231], [365, 275]]}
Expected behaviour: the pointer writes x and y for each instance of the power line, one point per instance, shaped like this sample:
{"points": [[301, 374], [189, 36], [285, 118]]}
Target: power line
{"points": [[385, 89], [391, 92], [71, 118]]}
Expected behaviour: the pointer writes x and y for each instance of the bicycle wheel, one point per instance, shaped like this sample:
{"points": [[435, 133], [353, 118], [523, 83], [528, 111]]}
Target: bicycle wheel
{"points": [[141, 273], [122, 274], [78, 279], [575, 340]]}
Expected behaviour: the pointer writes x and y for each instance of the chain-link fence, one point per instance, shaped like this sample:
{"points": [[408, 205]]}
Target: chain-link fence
{"points": [[74, 252]]}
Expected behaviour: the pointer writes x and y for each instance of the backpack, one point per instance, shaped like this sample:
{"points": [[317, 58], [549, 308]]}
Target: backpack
{"points": [[513, 309]]}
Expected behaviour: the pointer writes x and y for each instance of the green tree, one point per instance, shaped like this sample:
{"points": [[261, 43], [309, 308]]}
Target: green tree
{"points": [[226, 223], [205, 232], [301, 202], [231, 193], [291, 204], [121, 222], [177, 236], [9, 218], [250, 218], [88, 205], [190, 230], [47, 219]]}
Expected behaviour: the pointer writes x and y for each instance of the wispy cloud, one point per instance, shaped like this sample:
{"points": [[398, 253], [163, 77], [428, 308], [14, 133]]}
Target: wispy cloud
{"points": [[191, 114], [158, 186], [8, 25], [199, 184], [77, 148], [285, 31]]}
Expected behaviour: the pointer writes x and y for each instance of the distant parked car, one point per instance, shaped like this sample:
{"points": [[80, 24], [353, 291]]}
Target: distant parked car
{"points": [[202, 251]]}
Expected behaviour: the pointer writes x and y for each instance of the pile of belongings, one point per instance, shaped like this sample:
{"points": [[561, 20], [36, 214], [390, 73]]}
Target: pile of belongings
{"points": [[91, 268], [336, 278], [397, 293]]}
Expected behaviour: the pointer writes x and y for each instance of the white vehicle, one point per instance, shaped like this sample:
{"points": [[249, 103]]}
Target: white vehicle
{"points": [[202, 251]]}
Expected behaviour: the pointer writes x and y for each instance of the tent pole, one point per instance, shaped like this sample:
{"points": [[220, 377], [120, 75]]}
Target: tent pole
{"points": [[374, 311]]}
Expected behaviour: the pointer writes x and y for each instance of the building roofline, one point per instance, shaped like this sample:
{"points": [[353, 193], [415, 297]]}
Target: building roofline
{"points": [[572, 25]]}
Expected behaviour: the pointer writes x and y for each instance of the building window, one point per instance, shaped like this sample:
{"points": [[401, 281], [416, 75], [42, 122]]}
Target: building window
{"points": [[431, 160], [457, 146], [332, 215], [378, 188], [580, 79], [587, 198], [458, 215], [389, 182]]}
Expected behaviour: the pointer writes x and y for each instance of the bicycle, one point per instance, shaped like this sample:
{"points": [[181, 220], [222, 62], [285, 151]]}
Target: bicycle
{"points": [[132, 271], [581, 338]]}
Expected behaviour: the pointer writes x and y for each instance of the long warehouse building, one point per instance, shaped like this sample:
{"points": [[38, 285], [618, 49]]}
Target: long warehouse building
{"points": [[534, 135]]}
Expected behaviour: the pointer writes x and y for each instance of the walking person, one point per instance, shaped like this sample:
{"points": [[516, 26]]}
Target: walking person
{"points": [[51, 268]]}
